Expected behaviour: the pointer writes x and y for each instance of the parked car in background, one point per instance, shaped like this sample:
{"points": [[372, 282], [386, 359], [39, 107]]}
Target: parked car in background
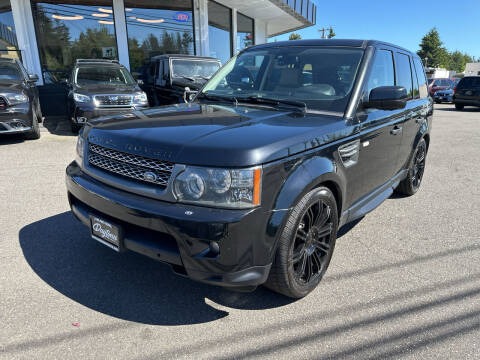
{"points": [[438, 84], [446, 95], [173, 79], [250, 182], [467, 92], [20, 110], [99, 88]]}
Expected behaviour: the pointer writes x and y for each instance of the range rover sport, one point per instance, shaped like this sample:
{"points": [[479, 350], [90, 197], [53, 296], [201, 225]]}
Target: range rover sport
{"points": [[248, 184]]}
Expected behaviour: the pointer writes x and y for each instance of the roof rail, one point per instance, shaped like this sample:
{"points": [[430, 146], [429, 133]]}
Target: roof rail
{"points": [[78, 61]]}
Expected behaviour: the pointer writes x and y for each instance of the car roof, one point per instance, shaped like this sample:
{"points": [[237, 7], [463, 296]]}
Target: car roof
{"points": [[183, 56], [355, 43], [81, 62]]}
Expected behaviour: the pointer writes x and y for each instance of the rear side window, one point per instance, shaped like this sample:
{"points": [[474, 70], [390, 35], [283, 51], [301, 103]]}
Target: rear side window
{"points": [[404, 73], [469, 83], [383, 73], [422, 81]]}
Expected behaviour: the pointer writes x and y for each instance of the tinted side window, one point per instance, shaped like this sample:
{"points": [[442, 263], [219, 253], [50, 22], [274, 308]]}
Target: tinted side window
{"points": [[404, 73], [469, 83], [422, 81], [382, 73]]}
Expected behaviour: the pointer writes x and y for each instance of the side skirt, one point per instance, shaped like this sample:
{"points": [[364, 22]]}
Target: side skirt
{"points": [[371, 201]]}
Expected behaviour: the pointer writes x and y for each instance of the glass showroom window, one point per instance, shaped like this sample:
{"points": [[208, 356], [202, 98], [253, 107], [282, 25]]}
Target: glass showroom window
{"points": [[245, 36], [8, 37], [219, 31], [70, 30], [158, 27]]}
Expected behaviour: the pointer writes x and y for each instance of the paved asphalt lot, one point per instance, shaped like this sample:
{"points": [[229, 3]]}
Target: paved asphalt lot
{"points": [[403, 283]]}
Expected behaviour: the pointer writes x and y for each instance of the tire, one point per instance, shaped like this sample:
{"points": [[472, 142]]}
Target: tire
{"points": [[34, 134], [410, 185], [304, 251], [459, 106], [39, 113], [438, 102], [75, 128]]}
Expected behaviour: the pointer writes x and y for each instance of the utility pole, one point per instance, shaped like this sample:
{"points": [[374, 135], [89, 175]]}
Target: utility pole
{"points": [[322, 30]]}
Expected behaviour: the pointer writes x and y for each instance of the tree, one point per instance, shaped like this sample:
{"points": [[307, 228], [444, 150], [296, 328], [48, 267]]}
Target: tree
{"points": [[331, 33], [432, 50], [294, 36]]}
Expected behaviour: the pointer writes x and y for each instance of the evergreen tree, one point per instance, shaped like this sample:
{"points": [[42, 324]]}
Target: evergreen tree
{"points": [[432, 50], [331, 33], [294, 36]]}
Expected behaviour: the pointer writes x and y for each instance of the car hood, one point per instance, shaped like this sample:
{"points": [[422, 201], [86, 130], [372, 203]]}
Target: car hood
{"points": [[10, 86], [216, 135], [106, 89]]}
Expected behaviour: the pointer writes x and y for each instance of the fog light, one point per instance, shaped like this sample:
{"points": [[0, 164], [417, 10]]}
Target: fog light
{"points": [[81, 119]]}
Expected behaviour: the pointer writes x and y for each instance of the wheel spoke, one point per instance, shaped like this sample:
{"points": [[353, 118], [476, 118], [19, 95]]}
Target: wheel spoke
{"points": [[317, 260], [322, 245], [322, 216], [297, 256], [303, 264], [302, 235], [308, 269]]}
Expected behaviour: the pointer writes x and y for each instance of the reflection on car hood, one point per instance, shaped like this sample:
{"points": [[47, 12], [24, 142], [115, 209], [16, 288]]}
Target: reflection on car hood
{"points": [[10, 86], [107, 89], [216, 135]]}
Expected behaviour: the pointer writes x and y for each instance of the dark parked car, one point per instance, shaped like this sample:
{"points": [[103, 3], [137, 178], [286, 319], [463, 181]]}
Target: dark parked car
{"points": [[20, 110], [172, 79], [99, 88], [250, 182], [467, 92], [438, 84]]}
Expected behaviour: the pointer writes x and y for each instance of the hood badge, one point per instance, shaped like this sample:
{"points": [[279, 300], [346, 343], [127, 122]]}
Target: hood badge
{"points": [[150, 176]]}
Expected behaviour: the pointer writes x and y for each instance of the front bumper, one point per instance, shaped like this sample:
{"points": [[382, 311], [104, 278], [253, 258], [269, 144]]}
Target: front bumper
{"points": [[82, 114], [16, 119], [179, 234]]}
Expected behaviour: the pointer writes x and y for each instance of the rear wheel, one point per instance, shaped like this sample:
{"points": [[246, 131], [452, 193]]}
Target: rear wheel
{"points": [[306, 245], [412, 182], [459, 106], [34, 133]]}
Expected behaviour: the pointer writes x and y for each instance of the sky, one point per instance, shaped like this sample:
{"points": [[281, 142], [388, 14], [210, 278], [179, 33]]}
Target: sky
{"points": [[458, 22]]}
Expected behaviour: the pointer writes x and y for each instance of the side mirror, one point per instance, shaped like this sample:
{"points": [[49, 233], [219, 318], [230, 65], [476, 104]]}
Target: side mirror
{"points": [[33, 78], [387, 98]]}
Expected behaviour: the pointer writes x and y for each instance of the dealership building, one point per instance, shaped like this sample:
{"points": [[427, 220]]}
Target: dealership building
{"points": [[48, 36]]}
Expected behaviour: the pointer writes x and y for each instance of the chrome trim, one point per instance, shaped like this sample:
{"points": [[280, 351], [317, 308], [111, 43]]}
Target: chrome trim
{"points": [[12, 130]]}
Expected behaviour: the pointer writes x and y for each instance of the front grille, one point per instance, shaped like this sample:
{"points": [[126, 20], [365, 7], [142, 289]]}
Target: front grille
{"points": [[129, 165], [113, 100], [3, 103]]}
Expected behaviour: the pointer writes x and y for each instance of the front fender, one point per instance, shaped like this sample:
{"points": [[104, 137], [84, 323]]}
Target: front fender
{"points": [[302, 177]]}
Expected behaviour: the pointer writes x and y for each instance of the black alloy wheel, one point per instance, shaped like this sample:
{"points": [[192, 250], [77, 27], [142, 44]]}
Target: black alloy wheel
{"points": [[412, 182], [306, 245], [312, 242]]}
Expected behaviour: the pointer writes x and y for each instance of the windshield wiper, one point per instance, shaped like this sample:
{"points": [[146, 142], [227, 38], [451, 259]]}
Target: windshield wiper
{"points": [[217, 98], [269, 101]]}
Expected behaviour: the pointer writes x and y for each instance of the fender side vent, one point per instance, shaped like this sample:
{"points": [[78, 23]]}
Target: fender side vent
{"points": [[349, 153]]}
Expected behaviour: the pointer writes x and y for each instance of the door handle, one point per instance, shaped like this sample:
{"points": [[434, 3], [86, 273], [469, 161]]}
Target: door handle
{"points": [[396, 130]]}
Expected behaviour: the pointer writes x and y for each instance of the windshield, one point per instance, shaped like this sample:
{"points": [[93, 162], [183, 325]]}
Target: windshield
{"points": [[9, 71], [105, 75], [194, 68], [319, 77]]}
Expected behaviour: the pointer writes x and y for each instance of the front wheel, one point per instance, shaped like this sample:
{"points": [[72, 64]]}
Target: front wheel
{"points": [[412, 182], [306, 245], [459, 106], [34, 133]]}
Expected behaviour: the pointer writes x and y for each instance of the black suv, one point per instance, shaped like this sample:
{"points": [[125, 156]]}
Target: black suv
{"points": [[99, 88], [20, 110], [173, 79], [467, 92], [250, 182]]}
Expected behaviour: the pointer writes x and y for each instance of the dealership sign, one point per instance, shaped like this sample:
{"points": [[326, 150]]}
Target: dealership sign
{"points": [[181, 17]]}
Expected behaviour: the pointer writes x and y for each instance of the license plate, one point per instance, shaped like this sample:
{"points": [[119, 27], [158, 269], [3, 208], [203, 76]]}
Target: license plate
{"points": [[105, 232]]}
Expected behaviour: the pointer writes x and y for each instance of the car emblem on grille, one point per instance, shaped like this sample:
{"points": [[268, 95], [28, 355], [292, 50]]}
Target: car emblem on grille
{"points": [[150, 176], [114, 98]]}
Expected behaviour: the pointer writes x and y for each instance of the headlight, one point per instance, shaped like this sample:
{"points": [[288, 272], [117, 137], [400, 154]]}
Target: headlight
{"points": [[81, 98], [227, 188], [140, 98], [14, 99], [80, 149]]}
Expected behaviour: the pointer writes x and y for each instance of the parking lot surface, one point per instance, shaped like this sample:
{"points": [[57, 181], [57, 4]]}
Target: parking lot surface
{"points": [[404, 281]]}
